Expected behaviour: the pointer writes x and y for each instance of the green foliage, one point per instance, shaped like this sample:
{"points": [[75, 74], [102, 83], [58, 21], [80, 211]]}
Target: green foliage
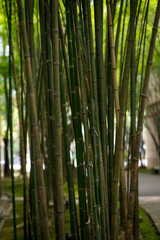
{"points": [[147, 230], [6, 186]]}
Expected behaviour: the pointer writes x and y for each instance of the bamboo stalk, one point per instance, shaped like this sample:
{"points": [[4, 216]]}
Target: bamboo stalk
{"points": [[10, 121], [118, 29], [132, 136], [141, 34], [86, 130], [98, 166], [91, 74], [119, 132], [113, 61], [101, 84], [76, 122], [31, 41], [0, 162], [110, 129], [134, 165], [58, 120], [34, 122], [72, 204], [122, 43], [49, 97]]}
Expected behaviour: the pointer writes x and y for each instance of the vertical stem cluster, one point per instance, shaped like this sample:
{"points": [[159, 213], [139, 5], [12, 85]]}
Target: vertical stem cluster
{"points": [[10, 120], [70, 94]]}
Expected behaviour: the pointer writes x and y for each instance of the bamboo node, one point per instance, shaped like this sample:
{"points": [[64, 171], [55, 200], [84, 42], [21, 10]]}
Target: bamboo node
{"points": [[55, 63], [88, 222], [49, 61], [90, 165], [120, 148], [140, 130], [135, 159], [122, 113], [144, 95], [130, 40], [54, 30], [56, 94], [50, 90], [81, 189], [155, 28], [60, 212], [95, 132], [27, 56]]}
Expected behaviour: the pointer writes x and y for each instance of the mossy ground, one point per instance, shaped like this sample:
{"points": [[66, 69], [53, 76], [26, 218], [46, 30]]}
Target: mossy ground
{"points": [[148, 231]]}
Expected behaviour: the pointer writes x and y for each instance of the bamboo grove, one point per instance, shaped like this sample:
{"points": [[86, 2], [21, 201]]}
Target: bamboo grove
{"points": [[84, 66]]}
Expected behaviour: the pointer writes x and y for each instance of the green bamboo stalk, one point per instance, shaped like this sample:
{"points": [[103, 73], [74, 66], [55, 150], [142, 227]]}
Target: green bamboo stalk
{"points": [[118, 29], [44, 143], [122, 43], [138, 11], [102, 113], [33, 190], [119, 133], [110, 129], [93, 130], [143, 59], [81, 23], [113, 8], [48, 89], [90, 76], [142, 31], [63, 111], [27, 17], [86, 130], [123, 194], [96, 132], [132, 136], [34, 198], [23, 160], [37, 30], [65, 59], [49, 95], [31, 41], [58, 121], [72, 204], [34, 122], [128, 170], [0, 163], [134, 165], [10, 120], [113, 61], [76, 123], [100, 82]]}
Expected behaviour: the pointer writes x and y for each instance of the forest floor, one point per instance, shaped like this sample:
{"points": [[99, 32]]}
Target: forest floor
{"points": [[147, 229], [149, 196]]}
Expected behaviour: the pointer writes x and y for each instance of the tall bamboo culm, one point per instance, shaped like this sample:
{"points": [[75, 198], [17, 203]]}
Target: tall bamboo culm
{"points": [[73, 95], [134, 166], [58, 120], [34, 123], [10, 121]]}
